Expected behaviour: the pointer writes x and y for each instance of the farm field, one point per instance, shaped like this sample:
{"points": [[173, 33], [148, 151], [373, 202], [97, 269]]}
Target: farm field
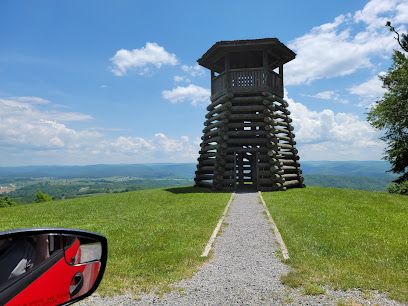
{"points": [[344, 238], [25, 190]]}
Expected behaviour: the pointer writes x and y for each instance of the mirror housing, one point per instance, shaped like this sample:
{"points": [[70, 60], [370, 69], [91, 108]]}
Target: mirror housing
{"points": [[50, 266]]}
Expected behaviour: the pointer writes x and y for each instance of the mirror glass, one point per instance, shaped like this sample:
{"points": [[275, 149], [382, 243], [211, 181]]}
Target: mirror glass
{"points": [[20, 255], [52, 267], [88, 250]]}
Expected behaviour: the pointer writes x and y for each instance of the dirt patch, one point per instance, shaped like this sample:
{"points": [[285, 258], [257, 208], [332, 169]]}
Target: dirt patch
{"points": [[6, 189]]}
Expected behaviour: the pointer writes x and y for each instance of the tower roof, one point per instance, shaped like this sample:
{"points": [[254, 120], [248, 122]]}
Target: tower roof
{"points": [[213, 58]]}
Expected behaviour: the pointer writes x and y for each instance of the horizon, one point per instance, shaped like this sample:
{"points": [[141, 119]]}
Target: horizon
{"points": [[193, 163], [88, 83]]}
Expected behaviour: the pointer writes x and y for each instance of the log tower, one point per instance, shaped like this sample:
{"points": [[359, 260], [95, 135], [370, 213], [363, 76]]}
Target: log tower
{"points": [[248, 141]]}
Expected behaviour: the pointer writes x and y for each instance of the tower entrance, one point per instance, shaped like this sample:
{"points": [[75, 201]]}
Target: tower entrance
{"points": [[246, 170]]}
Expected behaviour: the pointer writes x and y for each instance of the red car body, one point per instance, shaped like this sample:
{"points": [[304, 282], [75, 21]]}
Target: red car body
{"points": [[60, 279]]}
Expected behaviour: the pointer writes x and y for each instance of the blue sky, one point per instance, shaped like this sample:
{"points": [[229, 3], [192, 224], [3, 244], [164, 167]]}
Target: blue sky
{"points": [[88, 82]]}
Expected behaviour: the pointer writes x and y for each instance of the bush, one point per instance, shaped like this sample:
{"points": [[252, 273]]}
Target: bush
{"points": [[42, 197], [6, 202], [401, 188]]}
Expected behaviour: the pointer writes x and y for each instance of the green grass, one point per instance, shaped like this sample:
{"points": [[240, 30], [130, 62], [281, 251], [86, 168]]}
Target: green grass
{"points": [[155, 236], [313, 289], [344, 238]]}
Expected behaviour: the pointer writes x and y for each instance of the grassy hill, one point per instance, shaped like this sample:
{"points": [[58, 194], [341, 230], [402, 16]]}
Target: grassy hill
{"points": [[344, 238], [154, 236]]}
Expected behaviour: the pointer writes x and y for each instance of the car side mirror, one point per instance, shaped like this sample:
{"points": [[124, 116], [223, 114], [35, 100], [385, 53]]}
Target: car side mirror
{"points": [[50, 266]]}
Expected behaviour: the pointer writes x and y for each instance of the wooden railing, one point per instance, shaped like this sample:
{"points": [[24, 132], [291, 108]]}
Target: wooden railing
{"points": [[247, 81], [219, 84], [247, 78]]}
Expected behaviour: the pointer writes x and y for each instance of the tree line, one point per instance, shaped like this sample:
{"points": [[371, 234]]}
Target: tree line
{"points": [[72, 189]]}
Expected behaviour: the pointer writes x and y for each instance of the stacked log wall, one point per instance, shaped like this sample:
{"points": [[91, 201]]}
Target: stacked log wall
{"points": [[257, 127]]}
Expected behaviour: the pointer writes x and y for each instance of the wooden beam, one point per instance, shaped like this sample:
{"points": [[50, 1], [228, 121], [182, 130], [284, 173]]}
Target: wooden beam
{"points": [[220, 100], [227, 72], [219, 109]]}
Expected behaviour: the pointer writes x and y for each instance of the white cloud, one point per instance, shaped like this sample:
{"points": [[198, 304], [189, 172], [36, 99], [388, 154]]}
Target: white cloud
{"points": [[33, 100], [30, 136], [371, 13], [195, 94], [334, 151], [131, 145], [332, 50], [14, 106], [158, 148], [196, 70], [151, 54], [167, 145], [68, 116], [402, 15], [327, 135], [328, 95], [21, 123], [371, 88], [179, 79], [325, 95]]}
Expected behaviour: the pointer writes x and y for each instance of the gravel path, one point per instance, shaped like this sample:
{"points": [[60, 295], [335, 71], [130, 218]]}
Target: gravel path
{"points": [[244, 270]]}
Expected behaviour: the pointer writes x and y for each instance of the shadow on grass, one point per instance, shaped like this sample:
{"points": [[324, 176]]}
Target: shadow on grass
{"points": [[191, 189]]}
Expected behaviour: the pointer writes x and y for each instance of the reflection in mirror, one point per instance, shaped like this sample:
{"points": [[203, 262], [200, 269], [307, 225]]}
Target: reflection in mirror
{"points": [[91, 252], [62, 267], [16, 257], [88, 250], [20, 255]]}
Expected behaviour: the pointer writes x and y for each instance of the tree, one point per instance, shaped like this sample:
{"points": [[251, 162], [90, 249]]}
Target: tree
{"points": [[403, 40], [398, 188], [6, 202], [390, 112], [42, 197]]}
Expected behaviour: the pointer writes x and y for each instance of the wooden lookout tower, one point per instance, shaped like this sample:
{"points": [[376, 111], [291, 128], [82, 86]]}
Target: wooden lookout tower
{"points": [[248, 141]]}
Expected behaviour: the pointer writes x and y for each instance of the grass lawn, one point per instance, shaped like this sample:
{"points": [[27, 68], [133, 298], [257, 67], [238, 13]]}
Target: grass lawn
{"points": [[344, 238], [154, 236]]}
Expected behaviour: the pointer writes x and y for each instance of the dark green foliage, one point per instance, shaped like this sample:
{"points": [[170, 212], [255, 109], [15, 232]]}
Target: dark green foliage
{"points": [[390, 113], [42, 197], [401, 188], [6, 202]]}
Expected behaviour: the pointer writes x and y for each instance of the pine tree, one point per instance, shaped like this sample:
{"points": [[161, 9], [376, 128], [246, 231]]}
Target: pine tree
{"points": [[42, 197]]}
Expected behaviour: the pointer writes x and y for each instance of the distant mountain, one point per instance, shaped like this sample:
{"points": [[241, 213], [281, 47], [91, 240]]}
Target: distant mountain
{"points": [[373, 169], [97, 171], [348, 181]]}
